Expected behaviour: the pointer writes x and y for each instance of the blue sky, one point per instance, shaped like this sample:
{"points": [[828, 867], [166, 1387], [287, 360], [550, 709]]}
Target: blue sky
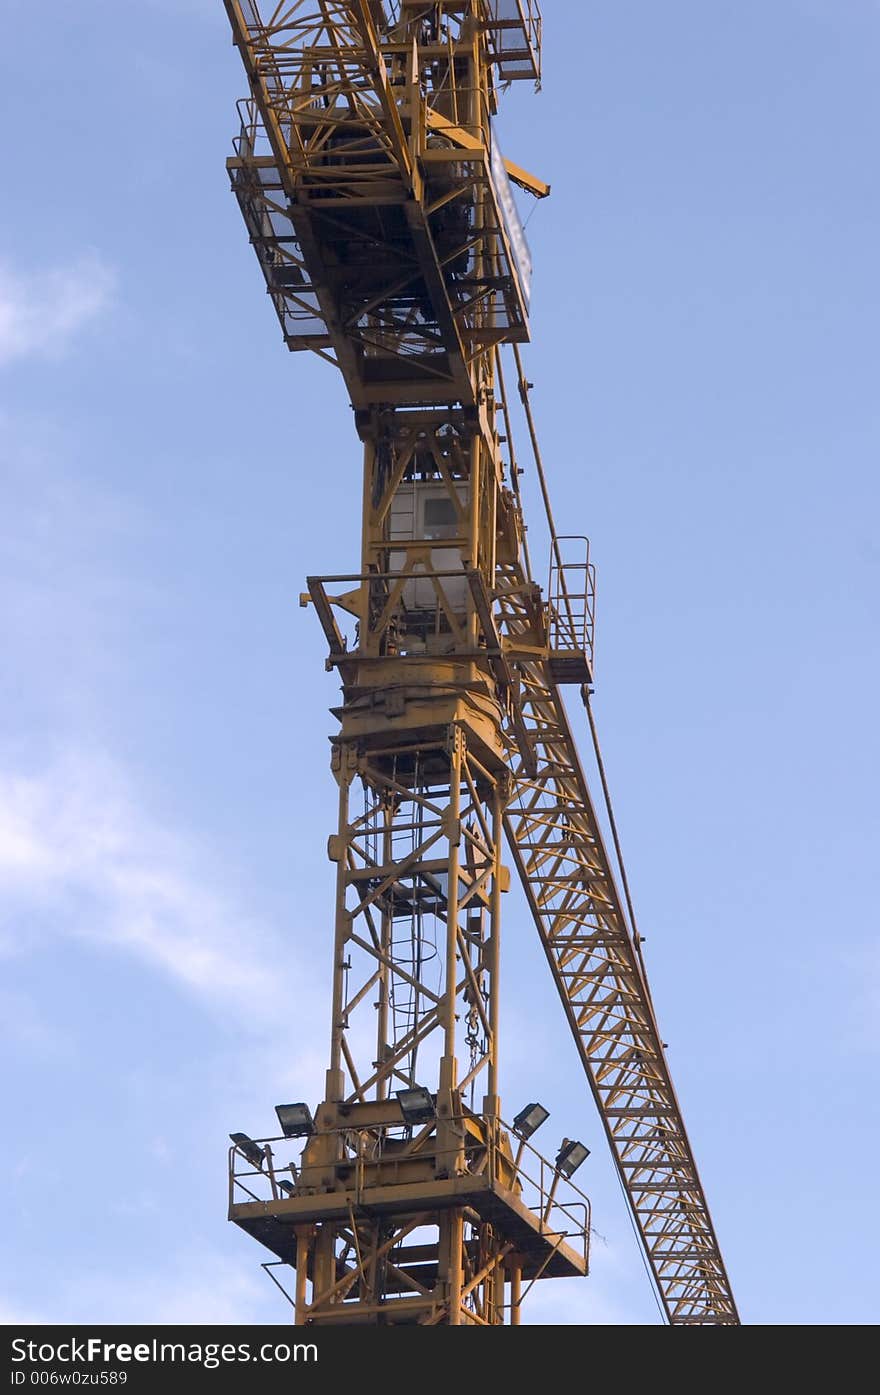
{"points": [[705, 354]]}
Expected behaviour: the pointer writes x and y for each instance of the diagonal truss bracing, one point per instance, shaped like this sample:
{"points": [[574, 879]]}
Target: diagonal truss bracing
{"points": [[367, 172], [557, 844]]}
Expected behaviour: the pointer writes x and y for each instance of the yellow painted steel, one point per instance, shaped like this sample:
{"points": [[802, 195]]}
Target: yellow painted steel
{"points": [[380, 210]]}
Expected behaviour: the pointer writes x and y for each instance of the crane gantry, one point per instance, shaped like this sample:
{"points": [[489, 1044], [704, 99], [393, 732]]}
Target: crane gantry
{"points": [[370, 178]]}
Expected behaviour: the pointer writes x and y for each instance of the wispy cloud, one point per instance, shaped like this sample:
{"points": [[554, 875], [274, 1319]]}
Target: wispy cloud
{"points": [[74, 838], [201, 1288], [13, 1314], [42, 312], [206, 1286], [83, 853], [197, 1287]]}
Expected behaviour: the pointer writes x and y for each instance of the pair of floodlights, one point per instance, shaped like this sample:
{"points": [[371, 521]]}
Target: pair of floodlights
{"points": [[417, 1106], [571, 1153], [296, 1122]]}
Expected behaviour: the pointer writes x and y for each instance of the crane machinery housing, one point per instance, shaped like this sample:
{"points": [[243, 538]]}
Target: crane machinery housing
{"points": [[370, 178]]}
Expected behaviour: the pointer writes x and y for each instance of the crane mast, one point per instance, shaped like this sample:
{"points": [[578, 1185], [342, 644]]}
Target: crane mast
{"points": [[377, 200]]}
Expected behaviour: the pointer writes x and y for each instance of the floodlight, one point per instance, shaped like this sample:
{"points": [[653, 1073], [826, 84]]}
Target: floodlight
{"points": [[570, 1156], [416, 1104], [296, 1120], [251, 1150], [530, 1119], [286, 1187]]}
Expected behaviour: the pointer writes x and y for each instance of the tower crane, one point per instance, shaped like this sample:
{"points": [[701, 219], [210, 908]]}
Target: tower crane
{"points": [[369, 174]]}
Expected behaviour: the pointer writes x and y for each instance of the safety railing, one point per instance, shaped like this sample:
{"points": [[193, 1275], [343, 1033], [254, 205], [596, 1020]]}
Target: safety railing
{"points": [[420, 609], [571, 596], [561, 1208], [514, 28]]}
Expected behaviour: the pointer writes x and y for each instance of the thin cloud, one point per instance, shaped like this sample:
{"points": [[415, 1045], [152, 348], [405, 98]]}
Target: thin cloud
{"points": [[202, 1287], [197, 1287], [81, 853], [13, 1315], [74, 840], [42, 313]]}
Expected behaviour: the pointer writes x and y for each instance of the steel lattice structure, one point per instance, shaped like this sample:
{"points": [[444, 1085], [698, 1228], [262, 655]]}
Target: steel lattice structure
{"points": [[370, 179]]}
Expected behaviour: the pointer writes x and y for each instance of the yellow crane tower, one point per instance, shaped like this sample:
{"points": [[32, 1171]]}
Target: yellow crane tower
{"points": [[377, 200]]}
